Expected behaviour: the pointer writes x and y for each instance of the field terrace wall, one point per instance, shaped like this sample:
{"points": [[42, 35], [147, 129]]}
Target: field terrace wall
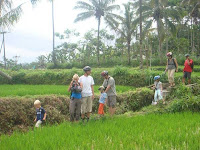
{"points": [[18, 113]]}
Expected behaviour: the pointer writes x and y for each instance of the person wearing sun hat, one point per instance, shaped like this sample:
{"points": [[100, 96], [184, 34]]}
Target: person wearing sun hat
{"points": [[102, 100]]}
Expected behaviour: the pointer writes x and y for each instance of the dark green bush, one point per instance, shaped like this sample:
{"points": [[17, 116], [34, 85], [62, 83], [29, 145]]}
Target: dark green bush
{"points": [[185, 104]]}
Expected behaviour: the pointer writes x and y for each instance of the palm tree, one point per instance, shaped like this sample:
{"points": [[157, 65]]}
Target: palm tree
{"points": [[98, 9], [158, 12], [127, 28]]}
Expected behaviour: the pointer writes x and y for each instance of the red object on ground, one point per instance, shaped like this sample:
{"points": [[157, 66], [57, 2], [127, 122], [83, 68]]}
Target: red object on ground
{"points": [[101, 109], [187, 67]]}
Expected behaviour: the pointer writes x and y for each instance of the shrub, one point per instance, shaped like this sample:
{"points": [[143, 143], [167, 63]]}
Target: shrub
{"points": [[185, 104]]}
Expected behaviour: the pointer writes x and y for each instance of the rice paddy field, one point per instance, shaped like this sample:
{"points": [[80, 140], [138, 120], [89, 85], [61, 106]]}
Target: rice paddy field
{"points": [[24, 90], [179, 131]]}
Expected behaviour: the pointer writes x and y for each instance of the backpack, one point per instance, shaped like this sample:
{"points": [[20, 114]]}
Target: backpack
{"points": [[173, 61], [192, 65], [76, 88]]}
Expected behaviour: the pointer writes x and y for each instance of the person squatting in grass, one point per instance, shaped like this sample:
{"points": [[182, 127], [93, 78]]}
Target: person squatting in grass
{"points": [[40, 114], [109, 84], [187, 71], [158, 90], [75, 99], [87, 93], [102, 100], [172, 67]]}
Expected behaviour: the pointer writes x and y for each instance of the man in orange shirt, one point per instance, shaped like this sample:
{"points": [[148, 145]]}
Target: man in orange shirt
{"points": [[187, 71]]}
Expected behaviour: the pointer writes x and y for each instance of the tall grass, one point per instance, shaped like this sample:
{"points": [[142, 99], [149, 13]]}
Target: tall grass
{"points": [[23, 90], [167, 131]]}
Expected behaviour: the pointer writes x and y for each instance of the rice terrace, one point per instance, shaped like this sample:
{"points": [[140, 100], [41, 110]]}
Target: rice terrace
{"points": [[100, 75]]}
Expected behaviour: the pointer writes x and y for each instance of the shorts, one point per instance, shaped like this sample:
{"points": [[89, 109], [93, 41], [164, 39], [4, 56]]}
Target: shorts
{"points": [[86, 105], [158, 95], [101, 109], [112, 101], [38, 123], [187, 75]]}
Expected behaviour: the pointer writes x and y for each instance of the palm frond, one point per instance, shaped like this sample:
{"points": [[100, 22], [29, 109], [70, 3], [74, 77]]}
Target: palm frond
{"points": [[84, 6], [84, 16], [8, 19]]}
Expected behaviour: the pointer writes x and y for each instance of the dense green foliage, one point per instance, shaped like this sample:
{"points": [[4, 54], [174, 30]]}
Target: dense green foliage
{"points": [[123, 76], [167, 131]]}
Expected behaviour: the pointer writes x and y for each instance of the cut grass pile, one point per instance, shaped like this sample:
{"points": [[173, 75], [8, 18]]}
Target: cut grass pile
{"points": [[166, 131], [23, 90]]}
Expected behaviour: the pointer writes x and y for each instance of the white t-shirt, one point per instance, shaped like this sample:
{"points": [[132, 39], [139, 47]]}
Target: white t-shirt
{"points": [[87, 82]]}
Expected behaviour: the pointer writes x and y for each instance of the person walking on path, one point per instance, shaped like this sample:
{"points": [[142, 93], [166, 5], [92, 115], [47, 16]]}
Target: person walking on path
{"points": [[110, 89], [75, 100], [172, 67], [187, 71], [87, 93]]}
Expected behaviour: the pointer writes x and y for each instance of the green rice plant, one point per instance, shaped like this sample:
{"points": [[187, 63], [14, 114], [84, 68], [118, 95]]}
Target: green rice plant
{"points": [[160, 132]]}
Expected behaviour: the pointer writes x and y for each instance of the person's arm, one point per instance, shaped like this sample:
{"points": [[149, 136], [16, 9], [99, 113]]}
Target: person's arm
{"points": [[176, 64], [35, 119], [69, 89], [45, 115], [161, 87], [108, 88], [81, 85], [188, 61], [92, 87]]}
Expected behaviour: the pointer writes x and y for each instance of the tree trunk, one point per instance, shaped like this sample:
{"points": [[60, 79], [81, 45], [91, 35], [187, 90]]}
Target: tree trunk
{"points": [[147, 53], [5, 75], [98, 42], [129, 54], [53, 29], [4, 49], [141, 36], [160, 43]]}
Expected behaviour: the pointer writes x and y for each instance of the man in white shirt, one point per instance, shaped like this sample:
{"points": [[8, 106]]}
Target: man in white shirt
{"points": [[87, 93]]}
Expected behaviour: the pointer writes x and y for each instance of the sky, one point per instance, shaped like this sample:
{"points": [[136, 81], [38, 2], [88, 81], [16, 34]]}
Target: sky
{"points": [[31, 36]]}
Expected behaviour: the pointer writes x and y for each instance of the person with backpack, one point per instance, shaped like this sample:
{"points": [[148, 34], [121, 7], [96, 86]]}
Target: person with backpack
{"points": [[187, 71], [110, 89], [172, 67], [75, 99]]}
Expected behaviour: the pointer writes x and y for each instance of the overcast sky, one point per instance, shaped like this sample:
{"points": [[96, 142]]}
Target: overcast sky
{"points": [[32, 35]]}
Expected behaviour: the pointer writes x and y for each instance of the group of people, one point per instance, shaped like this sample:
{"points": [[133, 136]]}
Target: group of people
{"points": [[82, 91], [172, 67], [82, 95]]}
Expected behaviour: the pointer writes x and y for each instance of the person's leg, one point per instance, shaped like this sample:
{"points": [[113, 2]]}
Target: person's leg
{"points": [[78, 109], [156, 96], [112, 105], [89, 107], [83, 107], [172, 76], [189, 77], [38, 123], [184, 77], [71, 109], [169, 77]]}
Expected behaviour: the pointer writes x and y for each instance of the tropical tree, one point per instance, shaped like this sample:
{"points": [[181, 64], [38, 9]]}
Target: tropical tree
{"points": [[158, 11], [127, 28], [98, 9]]}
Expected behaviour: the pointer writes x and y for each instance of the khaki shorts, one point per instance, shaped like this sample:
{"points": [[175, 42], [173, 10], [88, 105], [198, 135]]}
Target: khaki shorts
{"points": [[112, 101], [86, 105]]}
